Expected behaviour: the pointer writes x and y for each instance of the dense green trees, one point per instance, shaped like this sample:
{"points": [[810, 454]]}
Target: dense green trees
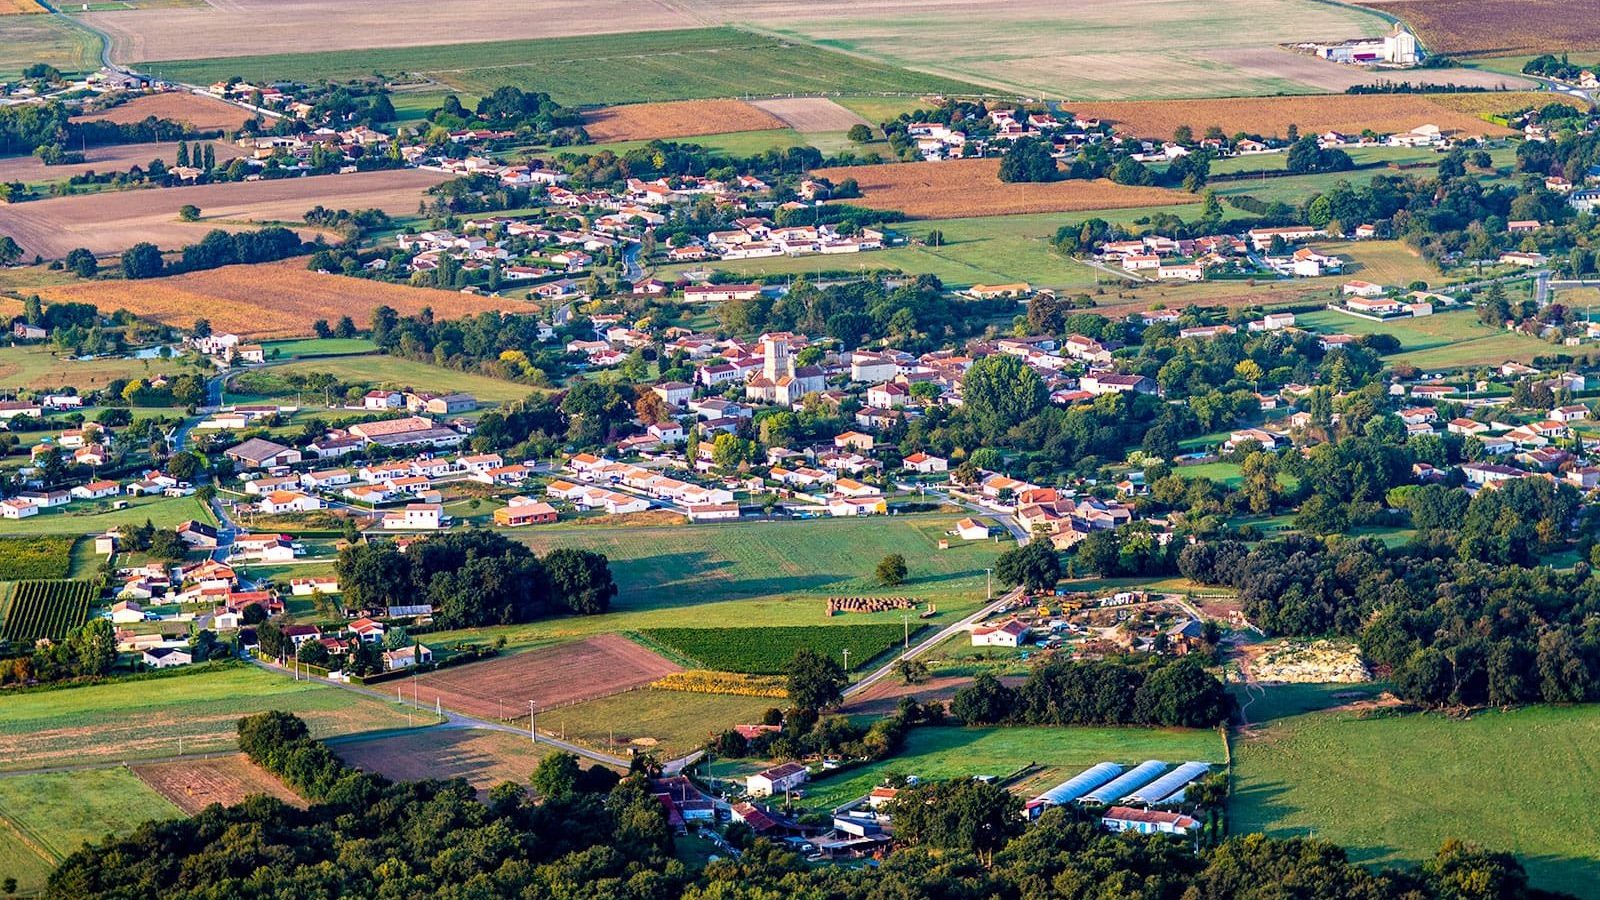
{"points": [[1036, 566], [476, 578], [999, 391], [1028, 160], [1176, 692], [815, 681]]}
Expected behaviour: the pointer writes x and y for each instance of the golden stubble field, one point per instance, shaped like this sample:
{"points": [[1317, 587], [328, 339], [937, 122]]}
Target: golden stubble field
{"points": [[113, 221], [1348, 113], [972, 187], [270, 300], [113, 158], [204, 113], [683, 118]]}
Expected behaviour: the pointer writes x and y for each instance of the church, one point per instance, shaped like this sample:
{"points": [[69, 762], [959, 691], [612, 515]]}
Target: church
{"points": [[780, 380]]}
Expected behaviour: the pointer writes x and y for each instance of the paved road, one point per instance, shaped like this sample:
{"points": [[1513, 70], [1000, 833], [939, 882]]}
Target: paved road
{"points": [[632, 272], [944, 634]]}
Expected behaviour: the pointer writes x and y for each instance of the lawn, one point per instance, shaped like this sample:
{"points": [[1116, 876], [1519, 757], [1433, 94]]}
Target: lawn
{"points": [[145, 719], [733, 143], [43, 818], [644, 66], [772, 573], [948, 752], [1228, 474], [1452, 340], [37, 367], [94, 517], [666, 723], [1391, 789], [1389, 263], [315, 347], [394, 371]]}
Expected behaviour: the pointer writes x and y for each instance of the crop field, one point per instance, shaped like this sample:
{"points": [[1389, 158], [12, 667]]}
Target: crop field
{"points": [[778, 573], [667, 723], [554, 676], [1499, 27], [45, 609], [43, 818], [767, 650], [483, 758], [1452, 340], [111, 222], [734, 143], [650, 65], [204, 113], [19, 7], [1497, 104], [1315, 75], [93, 518], [194, 784], [230, 297], [812, 115], [1269, 116], [394, 371], [310, 348], [35, 556], [972, 187], [148, 719], [943, 753], [1392, 788], [113, 158], [25, 40], [676, 119], [1383, 262]]}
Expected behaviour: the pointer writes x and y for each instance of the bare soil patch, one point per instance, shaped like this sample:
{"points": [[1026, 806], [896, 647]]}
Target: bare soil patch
{"points": [[812, 115], [204, 113], [1350, 113], [113, 221], [270, 300], [116, 158], [193, 785], [557, 676], [1499, 27], [685, 118], [484, 758], [972, 187]]}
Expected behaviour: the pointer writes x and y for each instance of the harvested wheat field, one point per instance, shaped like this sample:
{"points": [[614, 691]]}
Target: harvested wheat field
{"points": [[114, 158], [194, 784], [1351, 113], [114, 221], [235, 299], [204, 113], [1499, 27], [684, 118], [1330, 77], [484, 758], [812, 115], [19, 7], [972, 187], [554, 676]]}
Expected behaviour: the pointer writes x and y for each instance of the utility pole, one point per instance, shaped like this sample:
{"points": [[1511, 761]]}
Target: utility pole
{"points": [[988, 575], [905, 619], [533, 735], [847, 661]]}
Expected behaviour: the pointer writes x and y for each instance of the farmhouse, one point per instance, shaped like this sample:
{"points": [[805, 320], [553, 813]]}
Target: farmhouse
{"points": [[416, 516], [525, 511], [721, 293], [1011, 633], [776, 780], [1147, 821], [924, 463], [166, 657], [259, 453]]}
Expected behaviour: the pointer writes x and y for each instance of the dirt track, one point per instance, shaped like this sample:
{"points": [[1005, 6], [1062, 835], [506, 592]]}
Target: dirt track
{"points": [[192, 785]]}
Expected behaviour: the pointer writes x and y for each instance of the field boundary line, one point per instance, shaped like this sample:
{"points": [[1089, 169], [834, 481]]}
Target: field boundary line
{"points": [[29, 839]]}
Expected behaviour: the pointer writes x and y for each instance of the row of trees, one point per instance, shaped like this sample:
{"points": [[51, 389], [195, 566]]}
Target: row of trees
{"points": [[1062, 692]]}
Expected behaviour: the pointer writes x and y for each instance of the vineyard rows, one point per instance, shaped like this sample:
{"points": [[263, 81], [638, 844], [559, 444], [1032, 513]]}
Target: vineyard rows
{"points": [[46, 609]]}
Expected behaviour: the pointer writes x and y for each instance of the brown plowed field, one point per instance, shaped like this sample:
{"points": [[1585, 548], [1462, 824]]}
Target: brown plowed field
{"points": [[567, 673], [811, 115], [483, 758], [1499, 27], [269, 300], [685, 118], [193, 785], [1349, 113], [204, 113], [115, 158], [972, 187], [114, 221]]}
